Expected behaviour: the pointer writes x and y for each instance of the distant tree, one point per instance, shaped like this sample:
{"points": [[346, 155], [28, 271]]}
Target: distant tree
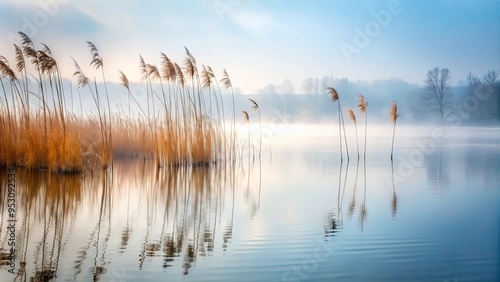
{"points": [[473, 87], [491, 84], [490, 78], [437, 98], [316, 85], [324, 83], [287, 87], [267, 90], [308, 86]]}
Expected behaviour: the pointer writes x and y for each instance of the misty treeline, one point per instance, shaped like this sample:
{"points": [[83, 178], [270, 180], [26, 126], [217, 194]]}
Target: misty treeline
{"points": [[472, 100]]}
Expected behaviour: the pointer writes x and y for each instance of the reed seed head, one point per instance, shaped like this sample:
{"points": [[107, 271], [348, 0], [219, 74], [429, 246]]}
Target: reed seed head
{"points": [[394, 112], [6, 71], [20, 63], [143, 68], [225, 80], [245, 117], [362, 104], [351, 115], [96, 58], [82, 79], [332, 93], [124, 80], [167, 68], [255, 106]]}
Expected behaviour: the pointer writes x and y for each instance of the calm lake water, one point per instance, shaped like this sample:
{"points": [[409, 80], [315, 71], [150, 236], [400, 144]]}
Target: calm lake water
{"points": [[431, 215]]}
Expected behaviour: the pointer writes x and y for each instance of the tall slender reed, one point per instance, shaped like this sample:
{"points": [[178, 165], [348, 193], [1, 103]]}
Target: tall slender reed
{"points": [[362, 105], [394, 116], [255, 107], [335, 98], [352, 117], [42, 133], [226, 82], [97, 63]]}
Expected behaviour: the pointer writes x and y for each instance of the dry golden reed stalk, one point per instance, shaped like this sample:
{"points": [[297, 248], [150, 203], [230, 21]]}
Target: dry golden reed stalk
{"points": [[352, 117], [394, 116], [46, 135], [362, 106], [255, 107], [334, 95]]}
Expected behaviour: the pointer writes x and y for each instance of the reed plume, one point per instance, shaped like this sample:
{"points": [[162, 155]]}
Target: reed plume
{"points": [[335, 98], [97, 63], [45, 134], [362, 105], [352, 117], [246, 119], [255, 107], [394, 116], [226, 82]]}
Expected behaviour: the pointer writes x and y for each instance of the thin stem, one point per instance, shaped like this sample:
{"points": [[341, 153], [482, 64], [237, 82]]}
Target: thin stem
{"points": [[393, 133], [366, 126], [343, 126], [340, 135]]}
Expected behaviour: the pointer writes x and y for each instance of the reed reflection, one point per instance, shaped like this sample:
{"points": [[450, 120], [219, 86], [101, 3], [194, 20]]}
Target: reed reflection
{"points": [[46, 211], [167, 217], [394, 201], [180, 211], [363, 212]]}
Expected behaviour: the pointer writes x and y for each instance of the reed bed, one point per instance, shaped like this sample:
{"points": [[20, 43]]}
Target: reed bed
{"points": [[182, 121]]}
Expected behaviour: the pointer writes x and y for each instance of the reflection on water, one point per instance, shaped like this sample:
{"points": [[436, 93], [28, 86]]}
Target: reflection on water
{"points": [[175, 213], [46, 206], [259, 219]]}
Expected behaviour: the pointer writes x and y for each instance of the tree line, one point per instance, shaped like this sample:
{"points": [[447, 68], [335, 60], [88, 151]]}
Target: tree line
{"points": [[473, 100]]}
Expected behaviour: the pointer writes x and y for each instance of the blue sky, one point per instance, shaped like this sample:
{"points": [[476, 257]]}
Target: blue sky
{"points": [[261, 42]]}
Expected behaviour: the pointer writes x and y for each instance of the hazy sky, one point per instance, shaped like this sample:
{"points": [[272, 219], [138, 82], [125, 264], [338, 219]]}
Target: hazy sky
{"points": [[261, 42]]}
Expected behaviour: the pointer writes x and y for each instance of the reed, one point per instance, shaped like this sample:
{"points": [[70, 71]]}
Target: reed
{"points": [[394, 116], [173, 125], [227, 84], [246, 119], [46, 138], [362, 105], [335, 98], [255, 107], [352, 117]]}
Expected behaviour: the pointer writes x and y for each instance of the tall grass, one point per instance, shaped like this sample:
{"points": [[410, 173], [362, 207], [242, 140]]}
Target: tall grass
{"points": [[255, 107], [173, 126], [394, 116], [362, 105], [228, 84], [335, 98], [352, 117], [246, 119]]}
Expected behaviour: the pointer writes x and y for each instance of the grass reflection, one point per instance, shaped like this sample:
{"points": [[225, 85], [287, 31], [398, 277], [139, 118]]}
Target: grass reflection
{"points": [[166, 217]]}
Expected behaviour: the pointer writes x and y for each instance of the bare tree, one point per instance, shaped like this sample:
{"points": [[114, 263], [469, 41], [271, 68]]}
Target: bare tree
{"points": [[267, 90], [491, 77], [287, 87], [437, 95], [473, 86], [308, 86], [316, 86], [325, 82], [491, 88]]}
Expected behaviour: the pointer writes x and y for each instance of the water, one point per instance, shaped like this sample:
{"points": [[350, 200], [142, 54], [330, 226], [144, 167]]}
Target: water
{"points": [[431, 215]]}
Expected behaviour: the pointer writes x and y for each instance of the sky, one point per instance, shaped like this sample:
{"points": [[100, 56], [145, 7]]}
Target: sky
{"points": [[266, 41]]}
